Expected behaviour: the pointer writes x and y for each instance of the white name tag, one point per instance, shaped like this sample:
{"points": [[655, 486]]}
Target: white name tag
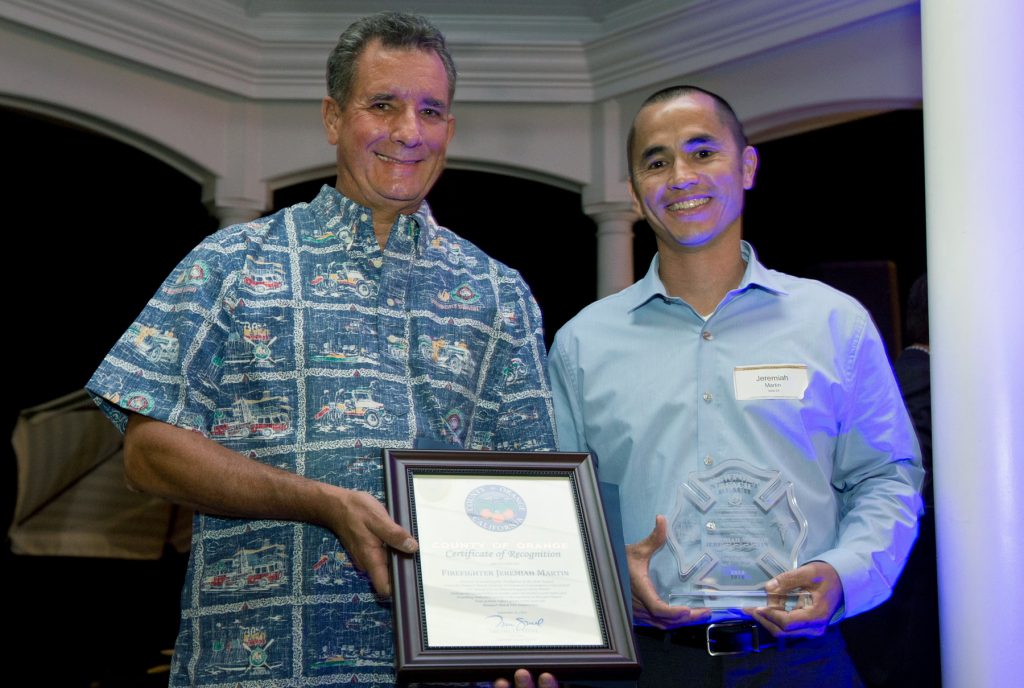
{"points": [[782, 381]]}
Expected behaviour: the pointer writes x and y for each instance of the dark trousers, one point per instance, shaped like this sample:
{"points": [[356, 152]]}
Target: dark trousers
{"points": [[809, 662], [896, 645]]}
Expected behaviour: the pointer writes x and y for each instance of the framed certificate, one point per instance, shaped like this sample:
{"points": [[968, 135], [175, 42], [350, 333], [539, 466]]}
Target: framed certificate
{"points": [[515, 568]]}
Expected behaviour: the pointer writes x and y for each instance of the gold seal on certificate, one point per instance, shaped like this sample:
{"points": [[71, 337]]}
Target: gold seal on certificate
{"points": [[515, 567], [734, 528]]}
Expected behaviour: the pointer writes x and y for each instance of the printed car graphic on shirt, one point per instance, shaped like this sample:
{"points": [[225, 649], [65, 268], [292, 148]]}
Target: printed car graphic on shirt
{"points": [[156, 346], [258, 568], [352, 407], [340, 278], [261, 276], [268, 418], [348, 354], [451, 356]]}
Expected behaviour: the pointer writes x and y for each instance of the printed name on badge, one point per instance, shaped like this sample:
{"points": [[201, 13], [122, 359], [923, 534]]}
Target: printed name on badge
{"points": [[778, 381]]}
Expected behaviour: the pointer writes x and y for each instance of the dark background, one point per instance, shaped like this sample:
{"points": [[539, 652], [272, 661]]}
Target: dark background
{"points": [[92, 227]]}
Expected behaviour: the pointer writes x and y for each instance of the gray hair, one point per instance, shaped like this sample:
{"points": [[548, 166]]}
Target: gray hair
{"points": [[393, 30]]}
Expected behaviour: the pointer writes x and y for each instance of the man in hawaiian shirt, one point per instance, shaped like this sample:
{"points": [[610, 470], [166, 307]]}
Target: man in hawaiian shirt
{"points": [[261, 382]]}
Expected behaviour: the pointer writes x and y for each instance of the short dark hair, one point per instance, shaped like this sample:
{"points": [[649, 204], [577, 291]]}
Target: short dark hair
{"points": [[722, 107], [917, 311], [393, 30]]}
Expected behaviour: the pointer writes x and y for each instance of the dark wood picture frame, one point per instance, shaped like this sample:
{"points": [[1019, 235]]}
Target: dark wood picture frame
{"points": [[415, 660]]}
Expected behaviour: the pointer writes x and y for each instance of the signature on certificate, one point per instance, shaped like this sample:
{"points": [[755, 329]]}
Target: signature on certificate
{"points": [[520, 623]]}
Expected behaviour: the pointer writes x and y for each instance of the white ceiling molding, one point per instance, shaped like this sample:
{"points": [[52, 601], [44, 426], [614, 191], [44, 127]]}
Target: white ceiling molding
{"points": [[576, 51], [804, 119], [696, 36]]}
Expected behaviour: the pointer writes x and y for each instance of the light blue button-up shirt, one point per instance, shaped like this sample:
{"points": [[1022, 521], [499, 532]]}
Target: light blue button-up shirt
{"points": [[645, 383]]}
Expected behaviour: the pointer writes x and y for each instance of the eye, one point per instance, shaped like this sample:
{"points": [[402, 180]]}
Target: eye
{"points": [[430, 112], [656, 164], [381, 105], [703, 153]]}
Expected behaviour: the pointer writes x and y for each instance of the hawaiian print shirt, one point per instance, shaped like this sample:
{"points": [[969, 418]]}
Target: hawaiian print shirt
{"points": [[295, 340]]}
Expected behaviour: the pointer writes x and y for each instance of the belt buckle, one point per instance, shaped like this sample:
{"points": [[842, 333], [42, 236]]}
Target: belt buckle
{"points": [[734, 628]]}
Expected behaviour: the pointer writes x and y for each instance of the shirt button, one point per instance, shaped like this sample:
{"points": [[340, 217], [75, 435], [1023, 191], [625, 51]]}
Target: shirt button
{"points": [[708, 397], [707, 336], [708, 460]]}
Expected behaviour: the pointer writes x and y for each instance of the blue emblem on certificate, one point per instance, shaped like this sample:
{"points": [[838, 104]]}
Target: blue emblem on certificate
{"points": [[495, 508]]}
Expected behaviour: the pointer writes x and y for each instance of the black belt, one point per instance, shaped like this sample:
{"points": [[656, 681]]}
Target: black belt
{"points": [[718, 639]]}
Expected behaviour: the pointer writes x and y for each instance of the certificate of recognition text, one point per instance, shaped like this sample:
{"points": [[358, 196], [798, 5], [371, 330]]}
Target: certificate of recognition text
{"points": [[503, 563]]}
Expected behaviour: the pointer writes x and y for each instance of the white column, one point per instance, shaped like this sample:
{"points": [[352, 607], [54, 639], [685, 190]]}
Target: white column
{"points": [[614, 245], [228, 215], [235, 199], [606, 198], [973, 64]]}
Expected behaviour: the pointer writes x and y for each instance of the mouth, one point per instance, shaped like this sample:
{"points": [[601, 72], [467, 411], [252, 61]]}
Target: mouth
{"points": [[394, 161], [688, 204]]}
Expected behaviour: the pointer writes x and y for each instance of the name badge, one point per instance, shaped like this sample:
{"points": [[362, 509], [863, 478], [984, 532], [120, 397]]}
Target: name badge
{"points": [[782, 381]]}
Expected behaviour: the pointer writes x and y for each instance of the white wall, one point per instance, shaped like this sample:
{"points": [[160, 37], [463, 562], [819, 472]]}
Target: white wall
{"points": [[241, 149]]}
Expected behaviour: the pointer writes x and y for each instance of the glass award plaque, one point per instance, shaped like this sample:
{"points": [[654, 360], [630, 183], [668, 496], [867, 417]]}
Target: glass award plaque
{"points": [[734, 528]]}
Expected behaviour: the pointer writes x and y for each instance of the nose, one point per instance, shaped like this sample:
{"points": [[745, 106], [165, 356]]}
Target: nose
{"points": [[683, 174], [406, 128]]}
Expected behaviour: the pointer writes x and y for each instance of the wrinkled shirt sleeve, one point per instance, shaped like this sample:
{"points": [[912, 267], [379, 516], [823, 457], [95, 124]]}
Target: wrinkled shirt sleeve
{"points": [[568, 418], [165, 365], [877, 474]]}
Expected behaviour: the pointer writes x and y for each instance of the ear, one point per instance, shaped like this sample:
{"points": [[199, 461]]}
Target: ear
{"points": [[637, 206], [330, 113], [750, 160], [451, 129]]}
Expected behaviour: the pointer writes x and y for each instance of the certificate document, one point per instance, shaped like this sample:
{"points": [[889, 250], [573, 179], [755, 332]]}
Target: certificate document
{"points": [[502, 562]]}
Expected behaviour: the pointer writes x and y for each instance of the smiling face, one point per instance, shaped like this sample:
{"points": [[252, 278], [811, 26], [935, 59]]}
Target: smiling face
{"points": [[689, 173], [393, 132]]}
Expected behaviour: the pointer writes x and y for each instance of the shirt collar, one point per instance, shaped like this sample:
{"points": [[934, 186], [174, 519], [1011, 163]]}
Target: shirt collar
{"points": [[755, 276], [331, 205]]}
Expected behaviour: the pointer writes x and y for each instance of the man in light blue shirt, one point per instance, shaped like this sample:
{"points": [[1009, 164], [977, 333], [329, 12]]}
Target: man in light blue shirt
{"points": [[714, 373]]}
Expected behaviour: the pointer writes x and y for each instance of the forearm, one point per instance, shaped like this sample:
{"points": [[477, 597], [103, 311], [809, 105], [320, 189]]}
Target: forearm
{"points": [[875, 537], [184, 467]]}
